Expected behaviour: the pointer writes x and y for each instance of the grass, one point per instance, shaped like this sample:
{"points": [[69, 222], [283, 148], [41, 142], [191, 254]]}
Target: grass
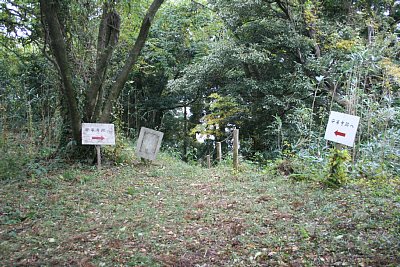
{"points": [[173, 214]]}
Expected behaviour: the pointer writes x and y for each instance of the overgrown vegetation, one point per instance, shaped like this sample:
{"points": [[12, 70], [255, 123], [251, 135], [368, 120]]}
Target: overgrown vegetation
{"points": [[174, 214], [274, 69], [337, 168]]}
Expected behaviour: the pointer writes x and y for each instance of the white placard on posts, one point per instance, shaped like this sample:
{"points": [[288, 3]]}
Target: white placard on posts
{"points": [[149, 143], [98, 134], [342, 128]]}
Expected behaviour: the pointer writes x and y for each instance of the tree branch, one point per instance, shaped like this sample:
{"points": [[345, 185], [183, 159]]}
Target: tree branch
{"points": [[132, 58], [106, 42]]}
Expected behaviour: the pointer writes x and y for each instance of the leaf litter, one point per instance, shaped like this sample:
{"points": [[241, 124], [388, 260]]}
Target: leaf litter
{"points": [[171, 214]]}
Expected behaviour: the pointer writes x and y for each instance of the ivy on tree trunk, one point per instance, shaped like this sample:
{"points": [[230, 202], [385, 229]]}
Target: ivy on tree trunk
{"points": [[99, 100], [59, 49]]}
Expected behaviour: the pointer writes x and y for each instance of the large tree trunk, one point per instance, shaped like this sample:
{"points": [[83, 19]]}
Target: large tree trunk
{"points": [[97, 107], [107, 39], [133, 56], [59, 50]]}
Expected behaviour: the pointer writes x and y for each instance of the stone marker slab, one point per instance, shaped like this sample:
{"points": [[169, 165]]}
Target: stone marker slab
{"points": [[149, 143]]}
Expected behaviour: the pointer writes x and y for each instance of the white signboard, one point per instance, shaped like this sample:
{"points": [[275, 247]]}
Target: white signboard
{"points": [[149, 143], [342, 128], [98, 134]]}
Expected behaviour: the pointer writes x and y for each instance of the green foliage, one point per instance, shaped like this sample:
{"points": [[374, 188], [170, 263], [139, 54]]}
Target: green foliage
{"points": [[289, 102], [123, 151], [380, 157], [273, 69], [68, 175], [150, 215], [35, 170], [18, 22], [221, 113], [13, 160], [179, 36], [21, 157], [299, 168], [338, 173]]}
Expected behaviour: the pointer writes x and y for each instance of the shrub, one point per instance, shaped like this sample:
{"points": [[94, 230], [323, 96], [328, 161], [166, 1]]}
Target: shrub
{"points": [[337, 169], [13, 159]]}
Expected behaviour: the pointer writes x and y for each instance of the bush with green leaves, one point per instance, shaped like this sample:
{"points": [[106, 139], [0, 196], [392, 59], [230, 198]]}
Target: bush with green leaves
{"points": [[13, 159], [337, 169], [380, 157]]}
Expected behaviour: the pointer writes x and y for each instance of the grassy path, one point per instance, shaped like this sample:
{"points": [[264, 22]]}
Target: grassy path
{"points": [[172, 214]]}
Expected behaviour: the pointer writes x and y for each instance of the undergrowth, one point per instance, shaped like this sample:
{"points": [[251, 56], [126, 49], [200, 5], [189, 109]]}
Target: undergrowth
{"points": [[169, 213]]}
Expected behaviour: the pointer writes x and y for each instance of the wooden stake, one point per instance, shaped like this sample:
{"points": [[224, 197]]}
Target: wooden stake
{"points": [[236, 149], [209, 161], [98, 157], [219, 152], [185, 135], [338, 146]]}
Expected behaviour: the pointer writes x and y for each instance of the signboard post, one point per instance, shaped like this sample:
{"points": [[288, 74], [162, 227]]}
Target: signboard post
{"points": [[98, 156], [98, 134], [342, 128]]}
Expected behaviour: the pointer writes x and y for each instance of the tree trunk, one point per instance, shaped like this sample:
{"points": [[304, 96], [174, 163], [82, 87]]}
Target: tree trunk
{"points": [[133, 56], [60, 53], [107, 39]]}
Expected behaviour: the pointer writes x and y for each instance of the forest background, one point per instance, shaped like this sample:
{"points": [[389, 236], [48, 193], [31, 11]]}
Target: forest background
{"points": [[196, 70]]}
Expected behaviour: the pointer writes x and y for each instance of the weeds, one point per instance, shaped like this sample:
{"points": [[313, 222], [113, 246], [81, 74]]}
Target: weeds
{"points": [[337, 169], [13, 159], [171, 214]]}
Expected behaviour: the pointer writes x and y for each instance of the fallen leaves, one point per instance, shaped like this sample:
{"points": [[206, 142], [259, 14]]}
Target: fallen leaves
{"points": [[187, 216], [264, 198], [193, 215]]}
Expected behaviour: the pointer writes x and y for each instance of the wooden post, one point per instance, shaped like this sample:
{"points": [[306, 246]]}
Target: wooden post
{"points": [[219, 152], [236, 149], [185, 135], [98, 157], [209, 161], [338, 146]]}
